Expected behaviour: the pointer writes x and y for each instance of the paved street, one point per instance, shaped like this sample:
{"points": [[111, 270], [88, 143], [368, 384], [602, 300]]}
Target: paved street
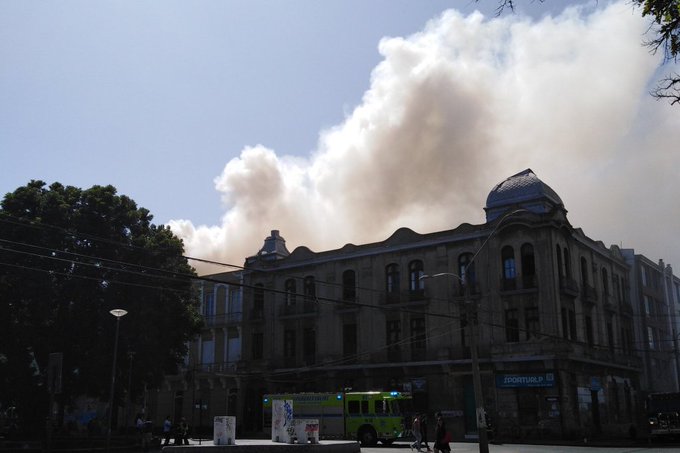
{"points": [[459, 447]]}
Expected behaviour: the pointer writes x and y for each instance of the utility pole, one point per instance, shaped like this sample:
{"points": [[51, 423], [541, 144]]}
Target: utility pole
{"points": [[480, 413], [473, 311]]}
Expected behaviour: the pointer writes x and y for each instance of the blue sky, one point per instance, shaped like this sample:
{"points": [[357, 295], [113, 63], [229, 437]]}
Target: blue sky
{"points": [[228, 119]]}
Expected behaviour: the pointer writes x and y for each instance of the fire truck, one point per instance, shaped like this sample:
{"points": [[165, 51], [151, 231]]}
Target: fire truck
{"points": [[368, 417]]}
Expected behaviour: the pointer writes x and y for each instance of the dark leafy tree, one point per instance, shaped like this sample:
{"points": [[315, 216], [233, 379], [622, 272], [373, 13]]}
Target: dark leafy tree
{"points": [[665, 15], [67, 257]]}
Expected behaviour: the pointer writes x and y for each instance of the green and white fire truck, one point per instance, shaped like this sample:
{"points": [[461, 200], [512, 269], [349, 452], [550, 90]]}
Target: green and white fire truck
{"points": [[368, 417]]}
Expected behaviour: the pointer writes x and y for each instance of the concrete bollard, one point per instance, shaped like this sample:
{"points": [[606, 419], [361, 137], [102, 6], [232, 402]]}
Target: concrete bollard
{"points": [[307, 430], [282, 421], [224, 432]]}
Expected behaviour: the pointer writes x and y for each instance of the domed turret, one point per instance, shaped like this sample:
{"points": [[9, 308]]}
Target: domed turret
{"points": [[274, 248], [523, 190]]}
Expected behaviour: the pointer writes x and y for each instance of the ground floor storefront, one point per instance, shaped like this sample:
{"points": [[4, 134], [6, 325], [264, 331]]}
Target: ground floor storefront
{"points": [[524, 400]]}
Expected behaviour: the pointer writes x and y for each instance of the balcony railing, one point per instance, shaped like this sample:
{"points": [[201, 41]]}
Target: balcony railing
{"points": [[256, 314], [305, 308], [217, 367], [404, 297], [394, 354], [223, 319], [588, 293], [519, 283], [569, 286], [508, 284]]}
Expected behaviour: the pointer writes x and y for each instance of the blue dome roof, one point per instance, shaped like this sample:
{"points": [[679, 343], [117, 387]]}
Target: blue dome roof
{"points": [[523, 189]]}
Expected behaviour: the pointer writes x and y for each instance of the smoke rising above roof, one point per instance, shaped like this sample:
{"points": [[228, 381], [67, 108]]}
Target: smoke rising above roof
{"points": [[456, 108]]}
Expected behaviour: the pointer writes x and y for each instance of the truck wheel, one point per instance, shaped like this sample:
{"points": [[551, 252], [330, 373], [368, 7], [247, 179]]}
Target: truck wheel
{"points": [[367, 437]]}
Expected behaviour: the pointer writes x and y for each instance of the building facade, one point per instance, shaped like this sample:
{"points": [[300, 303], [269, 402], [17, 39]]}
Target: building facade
{"points": [[557, 327], [207, 383], [656, 299]]}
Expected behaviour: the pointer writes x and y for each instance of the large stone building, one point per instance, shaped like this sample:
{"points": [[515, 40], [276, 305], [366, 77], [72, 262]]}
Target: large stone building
{"points": [[656, 296], [558, 334]]}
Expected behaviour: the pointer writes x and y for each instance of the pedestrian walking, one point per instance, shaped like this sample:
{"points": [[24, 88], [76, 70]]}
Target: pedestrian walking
{"points": [[167, 430], [442, 436], [139, 426], [423, 431], [147, 434], [415, 429], [182, 437]]}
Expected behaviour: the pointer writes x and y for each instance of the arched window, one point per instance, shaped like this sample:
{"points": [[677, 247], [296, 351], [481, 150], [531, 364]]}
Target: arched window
{"points": [[584, 271], [310, 288], [415, 272], [220, 299], [508, 257], [528, 266], [605, 282], [291, 291], [392, 278], [258, 299], [209, 304], [466, 271], [509, 270], [567, 263], [349, 285]]}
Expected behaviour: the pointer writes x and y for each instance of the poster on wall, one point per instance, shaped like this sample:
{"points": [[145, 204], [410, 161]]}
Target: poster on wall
{"points": [[282, 421]]}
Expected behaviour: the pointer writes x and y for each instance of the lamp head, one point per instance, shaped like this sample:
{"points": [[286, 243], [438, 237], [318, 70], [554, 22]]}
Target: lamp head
{"points": [[118, 312]]}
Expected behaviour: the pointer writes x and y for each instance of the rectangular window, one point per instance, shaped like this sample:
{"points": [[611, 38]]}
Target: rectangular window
{"points": [[610, 336], [309, 345], [349, 339], [379, 407], [532, 322], [364, 407], [589, 331], [565, 324], [353, 407], [207, 351], [258, 346], [209, 304], [289, 343], [617, 286], [463, 330], [643, 275], [648, 305], [258, 298], [392, 341], [511, 326], [650, 337], [233, 349], [572, 326], [418, 333], [235, 304]]}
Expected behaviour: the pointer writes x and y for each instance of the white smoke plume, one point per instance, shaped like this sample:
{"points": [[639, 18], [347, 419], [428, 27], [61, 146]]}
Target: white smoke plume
{"points": [[457, 108]]}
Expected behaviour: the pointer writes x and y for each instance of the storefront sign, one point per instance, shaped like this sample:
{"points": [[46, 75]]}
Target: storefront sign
{"points": [[505, 381], [419, 385], [595, 384]]}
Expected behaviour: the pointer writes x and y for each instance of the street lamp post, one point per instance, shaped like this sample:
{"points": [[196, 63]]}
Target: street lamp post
{"points": [[480, 413], [118, 313]]}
